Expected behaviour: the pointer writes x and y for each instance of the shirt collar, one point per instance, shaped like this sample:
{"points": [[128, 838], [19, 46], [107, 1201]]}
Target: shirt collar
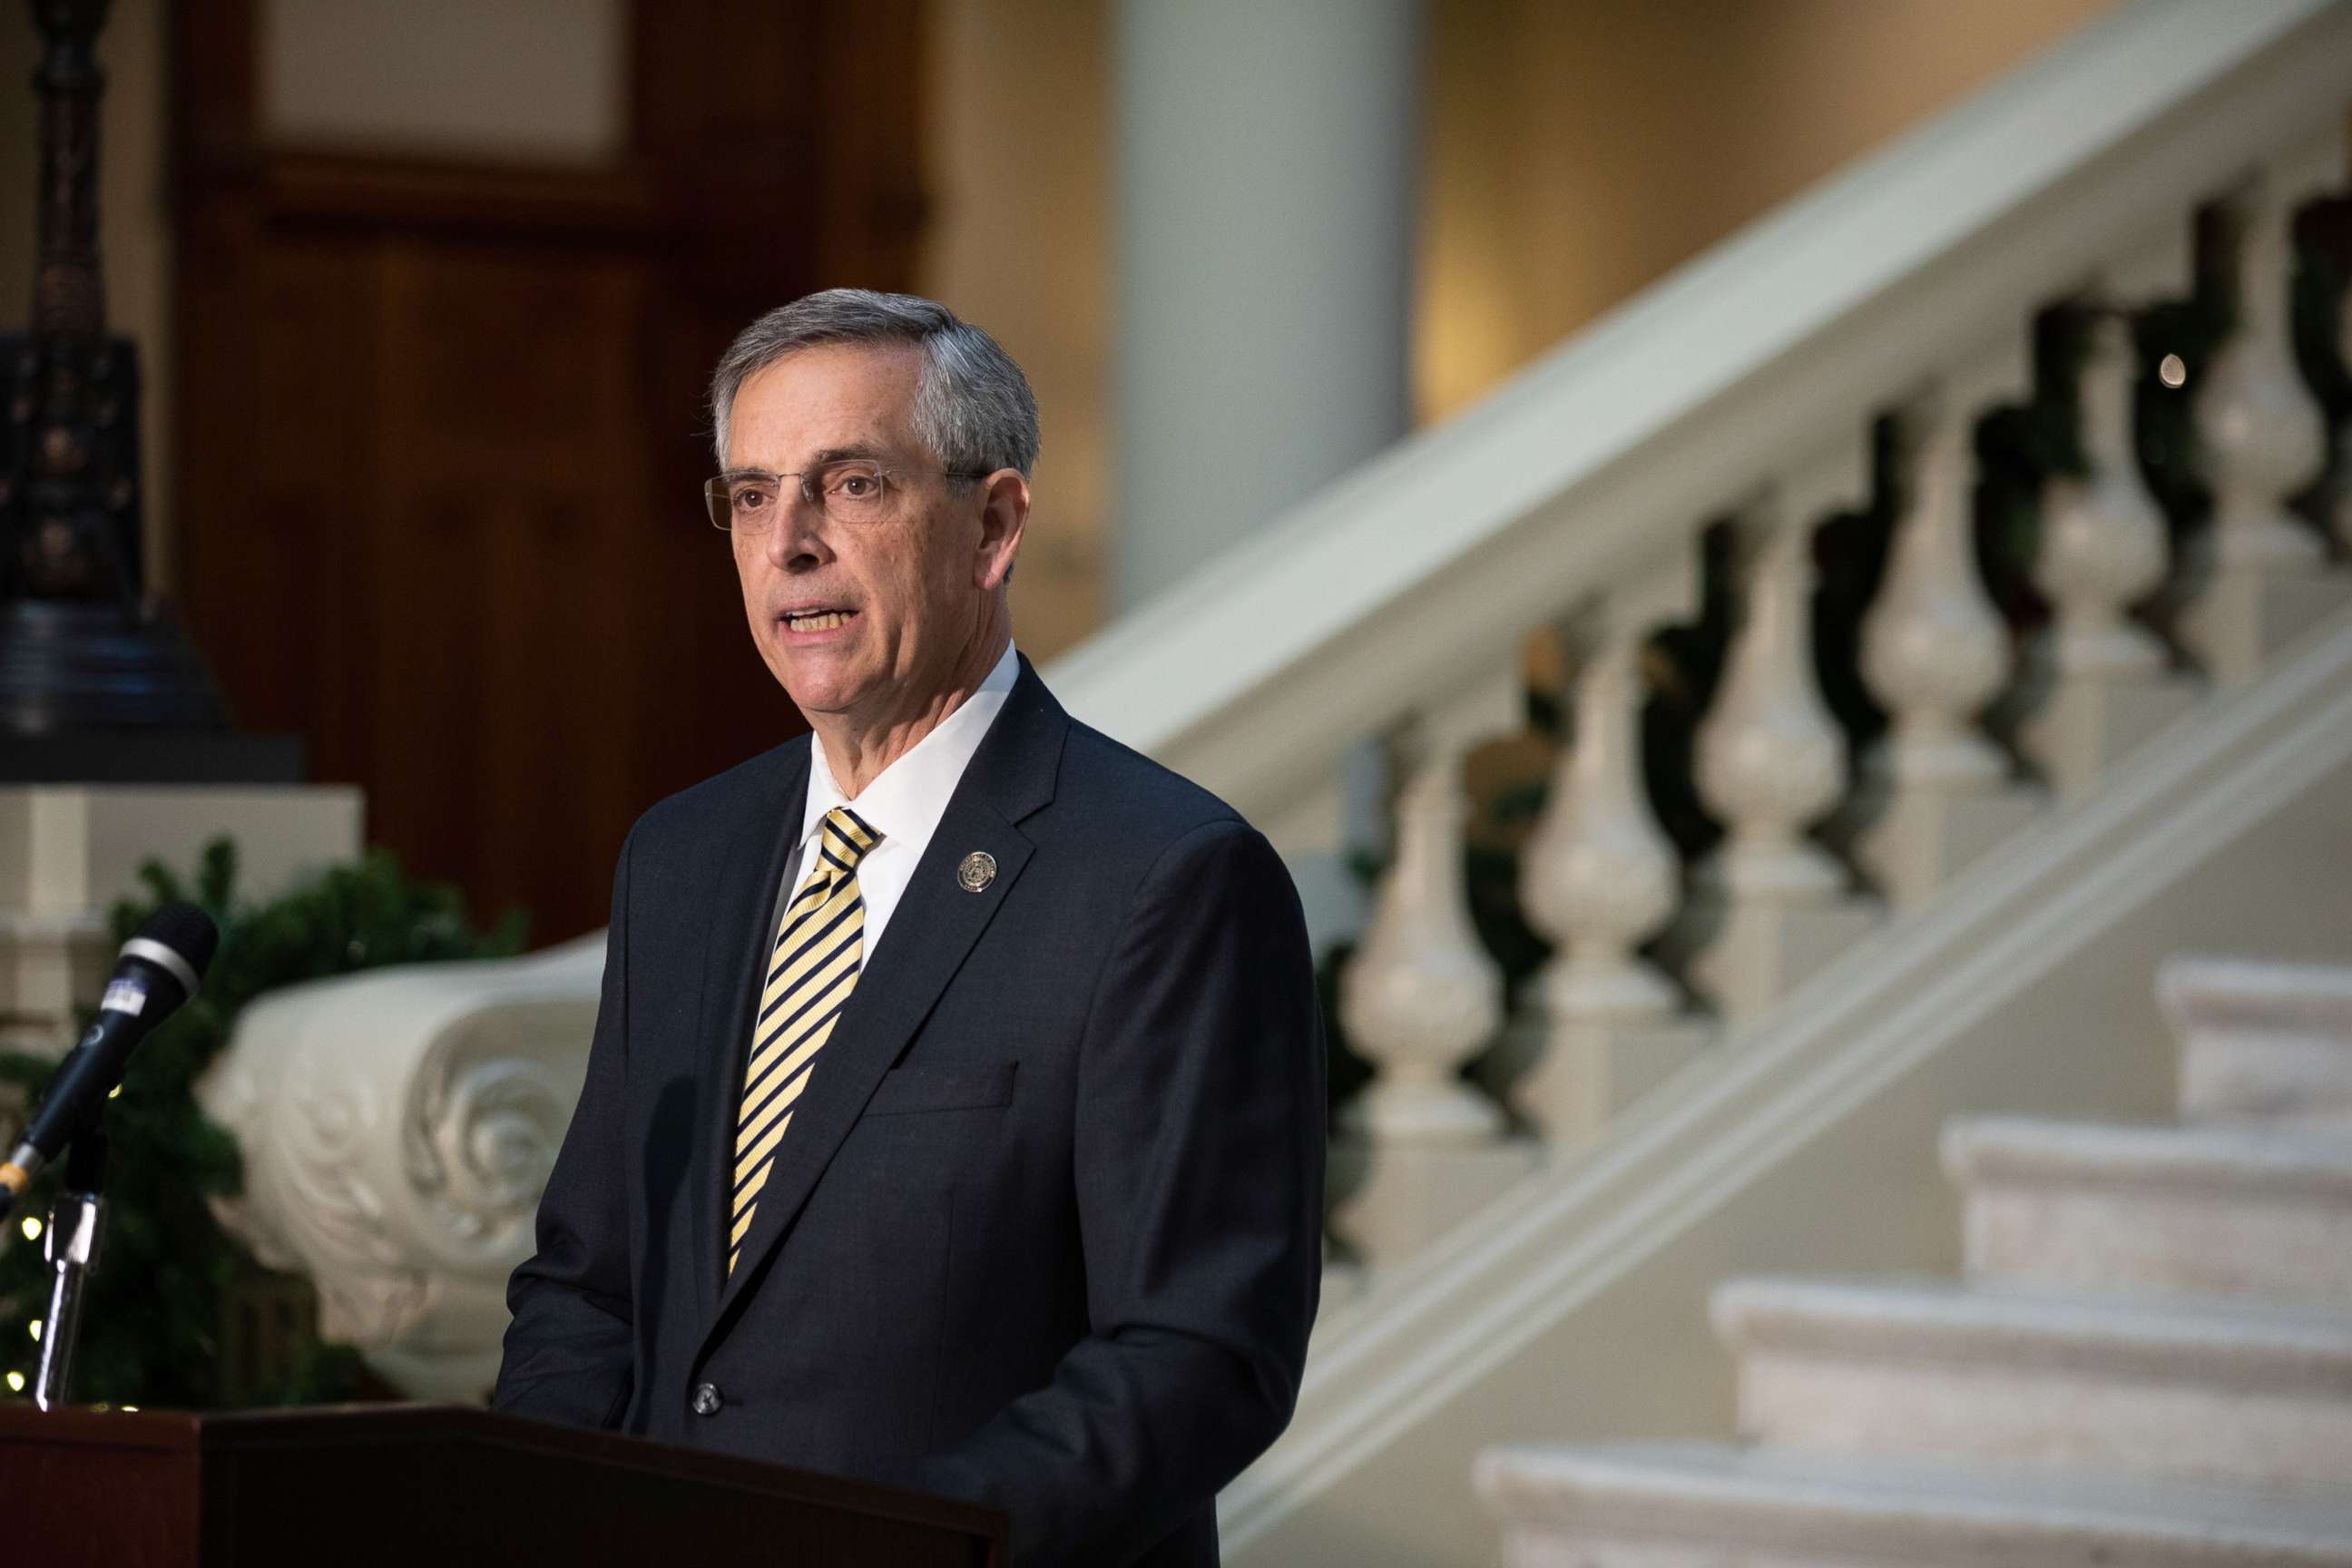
{"points": [[906, 800]]}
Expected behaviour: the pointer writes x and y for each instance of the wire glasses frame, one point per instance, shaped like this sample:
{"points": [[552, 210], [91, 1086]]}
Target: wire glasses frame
{"points": [[850, 490]]}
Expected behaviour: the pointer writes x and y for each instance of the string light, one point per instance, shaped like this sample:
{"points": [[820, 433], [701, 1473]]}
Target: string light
{"points": [[2173, 370], [114, 1093], [36, 1327], [131, 1407], [15, 1382], [32, 1228]]}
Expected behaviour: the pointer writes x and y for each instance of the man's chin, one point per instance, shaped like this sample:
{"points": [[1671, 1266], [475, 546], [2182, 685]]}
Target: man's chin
{"points": [[818, 680], [820, 697]]}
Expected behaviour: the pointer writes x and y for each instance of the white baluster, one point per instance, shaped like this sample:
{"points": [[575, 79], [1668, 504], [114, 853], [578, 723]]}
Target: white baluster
{"points": [[1422, 995], [2261, 435], [2096, 685], [2103, 539], [2261, 432], [1771, 762], [1769, 907], [1934, 652], [1418, 1151], [1599, 874]]}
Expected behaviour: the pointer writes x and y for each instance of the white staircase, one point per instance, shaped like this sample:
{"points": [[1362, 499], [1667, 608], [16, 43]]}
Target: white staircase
{"points": [[2150, 1359]]}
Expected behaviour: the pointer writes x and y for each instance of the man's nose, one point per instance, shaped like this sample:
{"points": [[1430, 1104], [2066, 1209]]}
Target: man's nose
{"points": [[795, 541]]}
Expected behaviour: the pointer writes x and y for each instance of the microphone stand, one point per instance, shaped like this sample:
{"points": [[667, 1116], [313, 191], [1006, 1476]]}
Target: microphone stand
{"points": [[77, 1225]]}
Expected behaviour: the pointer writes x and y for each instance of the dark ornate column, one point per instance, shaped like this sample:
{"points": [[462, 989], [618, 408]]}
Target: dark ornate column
{"points": [[95, 680]]}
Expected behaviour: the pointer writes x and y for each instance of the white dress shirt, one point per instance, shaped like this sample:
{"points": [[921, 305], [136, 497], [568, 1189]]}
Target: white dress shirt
{"points": [[903, 803]]}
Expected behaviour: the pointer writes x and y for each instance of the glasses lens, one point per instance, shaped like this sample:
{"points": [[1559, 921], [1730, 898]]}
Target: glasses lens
{"points": [[744, 502], [853, 490]]}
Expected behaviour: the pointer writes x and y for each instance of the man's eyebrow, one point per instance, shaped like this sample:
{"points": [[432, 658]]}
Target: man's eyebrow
{"points": [[840, 453], [866, 450]]}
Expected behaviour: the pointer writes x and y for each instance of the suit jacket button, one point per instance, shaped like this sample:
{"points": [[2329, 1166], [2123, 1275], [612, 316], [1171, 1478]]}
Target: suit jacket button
{"points": [[706, 1400]]}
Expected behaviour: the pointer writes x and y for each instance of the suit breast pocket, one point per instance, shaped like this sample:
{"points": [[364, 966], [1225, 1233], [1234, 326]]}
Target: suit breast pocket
{"points": [[907, 1091]]}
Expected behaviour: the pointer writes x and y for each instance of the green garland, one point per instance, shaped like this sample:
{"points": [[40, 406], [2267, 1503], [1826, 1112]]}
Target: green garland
{"points": [[152, 1328]]}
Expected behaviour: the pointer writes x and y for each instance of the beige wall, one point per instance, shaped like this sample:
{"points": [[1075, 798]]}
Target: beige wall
{"points": [[1577, 151], [134, 229]]}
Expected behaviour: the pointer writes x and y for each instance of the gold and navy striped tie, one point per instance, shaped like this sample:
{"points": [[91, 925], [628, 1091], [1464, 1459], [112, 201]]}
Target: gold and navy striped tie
{"points": [[820, 945]]}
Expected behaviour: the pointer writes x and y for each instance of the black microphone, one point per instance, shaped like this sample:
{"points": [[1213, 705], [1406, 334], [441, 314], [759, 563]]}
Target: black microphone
{"points": [[160, 968]]}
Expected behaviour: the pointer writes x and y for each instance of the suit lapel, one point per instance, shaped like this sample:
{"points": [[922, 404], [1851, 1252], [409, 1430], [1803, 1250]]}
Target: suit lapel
{"points": [[752, 863], [929, 935]]}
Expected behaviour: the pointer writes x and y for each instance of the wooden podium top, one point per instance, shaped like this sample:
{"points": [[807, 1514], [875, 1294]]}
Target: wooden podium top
{"points": [[367, 1484]]}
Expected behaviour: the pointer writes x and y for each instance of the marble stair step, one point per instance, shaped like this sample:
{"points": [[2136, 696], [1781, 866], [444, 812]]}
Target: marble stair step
{"points": [[2223, 1210], [1716, 1506], [2235, 1389], [2260, 1040]]}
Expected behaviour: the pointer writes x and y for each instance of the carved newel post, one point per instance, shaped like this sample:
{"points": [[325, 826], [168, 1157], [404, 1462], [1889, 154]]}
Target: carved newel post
{"points": [[81, 647]]}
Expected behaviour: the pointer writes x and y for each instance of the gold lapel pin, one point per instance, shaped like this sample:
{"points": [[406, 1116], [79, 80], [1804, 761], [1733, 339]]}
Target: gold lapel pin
{"points": [[978, 871]]}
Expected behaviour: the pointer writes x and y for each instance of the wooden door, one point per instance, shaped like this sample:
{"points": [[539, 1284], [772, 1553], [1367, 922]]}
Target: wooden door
{"points": [[439, 429]]}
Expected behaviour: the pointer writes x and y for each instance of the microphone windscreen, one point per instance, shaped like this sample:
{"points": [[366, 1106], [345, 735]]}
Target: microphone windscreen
{"points": [[187, 930]]}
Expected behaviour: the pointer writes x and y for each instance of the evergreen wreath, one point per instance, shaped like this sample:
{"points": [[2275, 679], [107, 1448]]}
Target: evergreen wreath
{"points": [[153, 1323]]}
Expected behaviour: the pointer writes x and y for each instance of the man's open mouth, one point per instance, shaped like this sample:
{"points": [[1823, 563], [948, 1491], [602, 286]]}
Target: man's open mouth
{"points": [[816, 620]]}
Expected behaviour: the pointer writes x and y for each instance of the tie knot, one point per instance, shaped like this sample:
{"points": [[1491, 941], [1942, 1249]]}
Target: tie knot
{"points": [[847, 838]]}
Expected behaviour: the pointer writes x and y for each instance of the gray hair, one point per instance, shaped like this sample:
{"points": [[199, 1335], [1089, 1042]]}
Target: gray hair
{"points": [[972, 406]]}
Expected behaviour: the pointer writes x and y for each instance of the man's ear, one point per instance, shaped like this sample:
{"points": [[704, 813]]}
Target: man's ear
{"points": [[1003, 514]]}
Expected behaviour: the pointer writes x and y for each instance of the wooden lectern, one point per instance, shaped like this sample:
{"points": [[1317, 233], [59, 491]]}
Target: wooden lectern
{"points": [[422, 1485]]}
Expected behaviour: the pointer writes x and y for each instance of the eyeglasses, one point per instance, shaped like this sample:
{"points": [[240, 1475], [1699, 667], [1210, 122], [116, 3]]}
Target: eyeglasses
{"points": [[849, 490]]}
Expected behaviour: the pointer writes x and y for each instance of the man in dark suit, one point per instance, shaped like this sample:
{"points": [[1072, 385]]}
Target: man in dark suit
{"points": [[954, 1117]]}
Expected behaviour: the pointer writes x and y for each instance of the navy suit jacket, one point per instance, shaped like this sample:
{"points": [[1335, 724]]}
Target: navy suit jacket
{"points": [[1045, 1230]]}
